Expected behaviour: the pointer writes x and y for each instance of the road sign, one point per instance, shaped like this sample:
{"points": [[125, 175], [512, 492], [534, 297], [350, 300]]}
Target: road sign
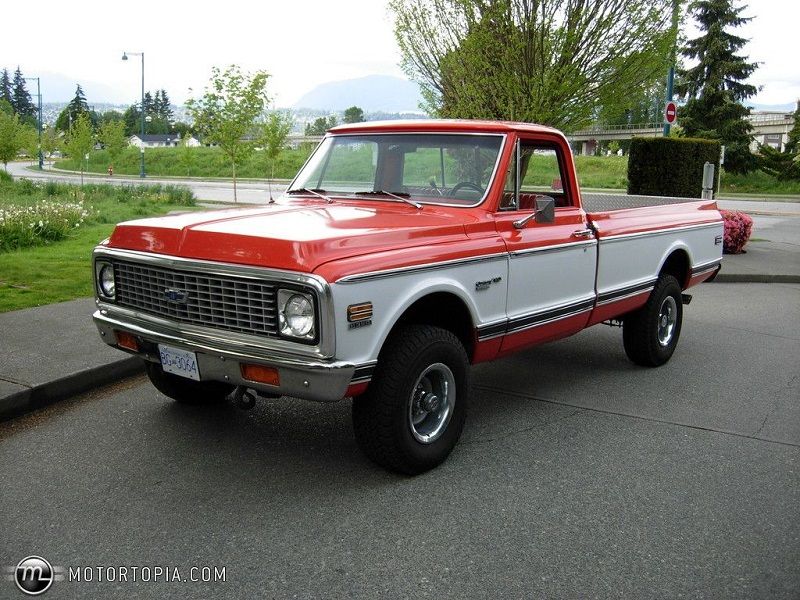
{"points": [[670, 113]]}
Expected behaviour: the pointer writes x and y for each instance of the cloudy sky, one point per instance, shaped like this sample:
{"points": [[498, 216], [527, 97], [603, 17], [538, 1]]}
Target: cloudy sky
{"points": [[301, 43]]}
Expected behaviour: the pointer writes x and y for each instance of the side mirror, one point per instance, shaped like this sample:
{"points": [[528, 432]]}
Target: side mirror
{"points": [[545, 209], [545, 212]]}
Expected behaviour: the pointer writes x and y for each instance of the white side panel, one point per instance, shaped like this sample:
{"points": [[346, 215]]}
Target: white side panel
{"points": [[391, 295], [634, 260]]}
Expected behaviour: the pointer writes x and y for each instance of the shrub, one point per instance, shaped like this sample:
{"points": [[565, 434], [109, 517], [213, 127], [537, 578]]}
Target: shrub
{"points": [[738, 227], [670, 166], [5, 177], [46, 221]]}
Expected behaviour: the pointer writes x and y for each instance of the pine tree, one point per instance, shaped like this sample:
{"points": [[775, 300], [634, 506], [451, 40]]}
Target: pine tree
{"points": [[76, 107], [20, 98], [5, 88], [715, 87]]}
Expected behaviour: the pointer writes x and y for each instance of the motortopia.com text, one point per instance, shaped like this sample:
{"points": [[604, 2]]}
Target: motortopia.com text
{"points": [[117, 574]]}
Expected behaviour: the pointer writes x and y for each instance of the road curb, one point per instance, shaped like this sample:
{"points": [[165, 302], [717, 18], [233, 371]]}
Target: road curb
{"points": [[39, 396], [755, 278]]}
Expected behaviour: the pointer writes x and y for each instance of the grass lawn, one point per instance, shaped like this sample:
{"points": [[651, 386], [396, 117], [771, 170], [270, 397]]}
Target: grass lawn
{"points": [[55, 271]]}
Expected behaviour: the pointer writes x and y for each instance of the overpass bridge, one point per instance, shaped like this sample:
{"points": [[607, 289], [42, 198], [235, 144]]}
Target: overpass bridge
{"points": [[770, 128]]}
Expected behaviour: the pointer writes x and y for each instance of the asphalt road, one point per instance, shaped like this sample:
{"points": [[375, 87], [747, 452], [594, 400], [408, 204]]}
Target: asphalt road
{"points": [[578, 475]]}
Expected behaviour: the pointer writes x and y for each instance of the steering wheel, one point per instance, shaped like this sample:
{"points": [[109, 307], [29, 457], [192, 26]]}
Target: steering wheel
{"points": [[466, 185]]}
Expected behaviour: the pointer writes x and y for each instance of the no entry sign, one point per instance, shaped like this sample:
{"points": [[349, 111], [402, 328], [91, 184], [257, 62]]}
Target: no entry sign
{"points": [[670, 113]]}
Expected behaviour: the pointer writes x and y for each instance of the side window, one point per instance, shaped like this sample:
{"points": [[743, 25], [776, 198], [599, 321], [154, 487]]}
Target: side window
{"points": [[539, 172]]}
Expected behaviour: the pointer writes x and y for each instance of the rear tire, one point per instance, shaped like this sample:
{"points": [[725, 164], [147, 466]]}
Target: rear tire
{"points": [[413, 412], [651, 334], [186, 391]]}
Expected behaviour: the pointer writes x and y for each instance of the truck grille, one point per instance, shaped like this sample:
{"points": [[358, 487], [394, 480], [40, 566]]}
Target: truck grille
{"points": [[219, 301]]}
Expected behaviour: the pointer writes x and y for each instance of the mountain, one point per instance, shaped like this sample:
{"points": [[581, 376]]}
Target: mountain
{"points": [[59, 88], [371, 93]]}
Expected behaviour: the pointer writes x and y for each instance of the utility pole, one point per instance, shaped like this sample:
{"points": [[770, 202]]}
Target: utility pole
{"points": [[39, 96], [673, 57]]}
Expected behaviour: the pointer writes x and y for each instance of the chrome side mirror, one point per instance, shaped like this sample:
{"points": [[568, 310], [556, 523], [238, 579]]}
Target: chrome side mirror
{"points": [[545, 212]]}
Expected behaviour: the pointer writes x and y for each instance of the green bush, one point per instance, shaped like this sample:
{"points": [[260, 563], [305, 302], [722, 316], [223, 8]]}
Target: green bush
{"points": [[6, 177], [670, 166]]}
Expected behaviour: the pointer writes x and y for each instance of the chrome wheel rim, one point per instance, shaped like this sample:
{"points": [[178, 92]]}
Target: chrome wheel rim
{"points": [[667, 320], [431, 403]]}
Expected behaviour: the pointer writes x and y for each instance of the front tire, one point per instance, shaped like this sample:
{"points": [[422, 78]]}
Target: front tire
{"points": [[651, 334], [413, 412], [186, 391]]}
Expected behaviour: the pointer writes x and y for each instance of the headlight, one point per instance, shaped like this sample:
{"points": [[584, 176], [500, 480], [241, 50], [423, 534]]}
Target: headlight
{"points": [[105, 279], [296, 314]]}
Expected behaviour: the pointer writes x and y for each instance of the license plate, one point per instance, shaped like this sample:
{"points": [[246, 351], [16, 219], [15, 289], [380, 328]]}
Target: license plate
{"points": [[179, 362]]}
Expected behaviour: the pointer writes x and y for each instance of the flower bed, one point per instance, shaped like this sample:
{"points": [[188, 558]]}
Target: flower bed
{"points": [[41, 223], [738, 227]]}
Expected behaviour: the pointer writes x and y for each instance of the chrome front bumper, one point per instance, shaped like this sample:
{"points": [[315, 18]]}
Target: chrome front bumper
{"points": [[221, 360]]}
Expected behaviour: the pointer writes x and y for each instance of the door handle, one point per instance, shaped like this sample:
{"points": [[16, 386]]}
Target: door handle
{"points": [[583, 233]]}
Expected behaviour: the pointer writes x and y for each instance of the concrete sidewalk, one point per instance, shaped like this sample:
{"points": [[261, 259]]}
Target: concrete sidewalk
{"points": [[54, 352]]}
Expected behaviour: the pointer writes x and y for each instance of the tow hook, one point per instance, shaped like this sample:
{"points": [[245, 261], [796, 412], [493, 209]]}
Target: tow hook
{"points": [[243, 399], [686, 298]]}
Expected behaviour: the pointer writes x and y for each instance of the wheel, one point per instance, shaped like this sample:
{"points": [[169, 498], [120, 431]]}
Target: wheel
{"points": [[412, 414], [467, 185], [186, 391], [651, 334]]}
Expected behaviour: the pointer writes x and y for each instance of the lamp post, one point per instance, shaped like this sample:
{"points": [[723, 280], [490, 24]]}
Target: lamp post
{"points": [[141, 107], [39, 96]]}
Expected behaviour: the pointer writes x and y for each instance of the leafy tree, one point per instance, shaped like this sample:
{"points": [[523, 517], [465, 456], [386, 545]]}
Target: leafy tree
{"points": [[76, 107], [228, 110], [715, 87], [321, 125], [21, 99], [80, 139], [274, 133], [12, 137], [51, 141], [354, 115], [187, 154], [546, 61], [784, 165], [111, 116], [5, 88], [5, 107], [112, 136]]}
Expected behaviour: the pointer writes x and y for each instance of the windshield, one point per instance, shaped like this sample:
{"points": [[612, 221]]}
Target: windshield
{"points": [[429, 168]]}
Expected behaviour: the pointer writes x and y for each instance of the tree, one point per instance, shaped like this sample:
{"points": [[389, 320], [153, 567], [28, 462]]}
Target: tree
{"points": [[112, 136], [784, 165], [80, 139], [51, 141], [20, 98], [321, 125], [5, 88], [76, 107], [227, 112], [546, 61], [12, 137], [715, 87], [274, 133], [187, 154], [354, 115]]}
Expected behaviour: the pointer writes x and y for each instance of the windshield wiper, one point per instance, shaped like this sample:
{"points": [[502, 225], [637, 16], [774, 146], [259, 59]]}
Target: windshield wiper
{"points": [[402, 196], [314, 191]]}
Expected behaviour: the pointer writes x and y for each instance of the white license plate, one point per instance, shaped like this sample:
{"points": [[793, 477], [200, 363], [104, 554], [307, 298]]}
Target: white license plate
{"points": [[179, 362]]}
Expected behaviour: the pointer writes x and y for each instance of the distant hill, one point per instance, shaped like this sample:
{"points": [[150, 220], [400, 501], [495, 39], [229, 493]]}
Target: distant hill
{"points": [[373, 93]]}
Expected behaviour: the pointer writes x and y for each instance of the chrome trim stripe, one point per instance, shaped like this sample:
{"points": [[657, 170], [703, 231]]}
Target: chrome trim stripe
{"points": [[625, 292], [656, 232], [542, 318], [326, 347], [421, 268], [553, 248], [704, 267], [363, 373], [503, 135], [488, 332]]}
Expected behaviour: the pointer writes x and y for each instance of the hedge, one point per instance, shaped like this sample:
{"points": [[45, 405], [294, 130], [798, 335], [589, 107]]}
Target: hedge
{"points": [[670, 166]]}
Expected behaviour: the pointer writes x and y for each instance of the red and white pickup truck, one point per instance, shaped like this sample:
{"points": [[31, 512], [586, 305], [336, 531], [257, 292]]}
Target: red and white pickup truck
{"points": [[401, 254]]}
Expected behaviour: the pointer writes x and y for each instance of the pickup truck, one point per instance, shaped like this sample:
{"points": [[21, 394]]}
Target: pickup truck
{"points": [[400, 255]]}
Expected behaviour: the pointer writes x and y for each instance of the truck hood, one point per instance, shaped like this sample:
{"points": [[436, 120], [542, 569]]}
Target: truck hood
{"points": [[292, 235]]}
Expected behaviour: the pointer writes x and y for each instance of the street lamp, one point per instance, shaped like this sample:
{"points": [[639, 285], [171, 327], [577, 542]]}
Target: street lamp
{"points": [[39, 94], [125, 57]]}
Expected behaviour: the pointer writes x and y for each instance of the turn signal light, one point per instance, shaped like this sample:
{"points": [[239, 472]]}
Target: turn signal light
{"points": [[126, 340], [261, 374]]}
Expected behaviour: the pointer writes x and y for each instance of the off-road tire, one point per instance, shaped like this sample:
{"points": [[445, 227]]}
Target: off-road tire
{"points": [[382, 417], [651, 334]]}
